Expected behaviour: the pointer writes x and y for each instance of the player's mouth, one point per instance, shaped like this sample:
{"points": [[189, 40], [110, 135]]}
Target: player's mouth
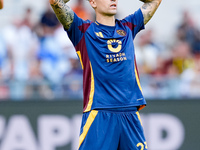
{"points": [[113, 5]]}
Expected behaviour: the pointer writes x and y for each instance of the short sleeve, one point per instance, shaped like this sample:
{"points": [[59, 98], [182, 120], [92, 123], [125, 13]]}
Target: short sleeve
{"points": [[135, 22], [74, 32]]}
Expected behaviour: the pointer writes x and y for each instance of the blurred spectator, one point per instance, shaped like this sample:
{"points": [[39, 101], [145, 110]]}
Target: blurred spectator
{"points": [[3, 55], [187, 31], [21, 44], [52, 55], [74, 79], [4, 89], [53, 59], [81, 11], [49, 19], [37, 87], [182, 56], [27, 18], [164, 68], [146, 53], [190, 78], [76, 68]]}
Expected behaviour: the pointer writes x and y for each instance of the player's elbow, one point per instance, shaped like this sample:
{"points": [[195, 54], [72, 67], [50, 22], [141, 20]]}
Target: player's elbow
{"points": [[158, 1], [52, 1], [1, 5]]}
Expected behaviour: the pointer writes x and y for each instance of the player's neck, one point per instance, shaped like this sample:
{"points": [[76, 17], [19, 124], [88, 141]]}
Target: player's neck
{"points": [[106, 20]]}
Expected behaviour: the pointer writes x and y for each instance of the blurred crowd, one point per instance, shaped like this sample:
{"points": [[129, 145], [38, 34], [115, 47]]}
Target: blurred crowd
{"points": [[38, 61], [171, 70]]}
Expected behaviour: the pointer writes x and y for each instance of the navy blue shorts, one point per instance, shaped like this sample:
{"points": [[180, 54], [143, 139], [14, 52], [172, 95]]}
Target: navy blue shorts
{"points": [[111, 130]]}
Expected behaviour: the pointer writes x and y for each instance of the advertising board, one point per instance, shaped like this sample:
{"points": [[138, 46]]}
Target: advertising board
{"points": [[55, 125]]}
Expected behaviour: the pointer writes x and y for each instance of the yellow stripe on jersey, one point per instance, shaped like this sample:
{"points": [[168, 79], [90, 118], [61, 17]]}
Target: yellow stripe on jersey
{"points": [[79, 55], [86, 128], [89, 105], [138, 81], [137, 113]]}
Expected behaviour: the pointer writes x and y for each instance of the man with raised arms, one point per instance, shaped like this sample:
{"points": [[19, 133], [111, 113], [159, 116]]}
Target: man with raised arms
{"points": [[112, 92]]}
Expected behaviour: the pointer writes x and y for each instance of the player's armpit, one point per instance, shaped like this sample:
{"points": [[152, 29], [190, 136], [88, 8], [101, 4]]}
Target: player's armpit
{"points": [[63, 12], [148, 8]]}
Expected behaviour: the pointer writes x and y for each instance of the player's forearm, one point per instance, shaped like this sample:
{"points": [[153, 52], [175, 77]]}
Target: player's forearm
{"points": [[63, 12], [149, 8]]}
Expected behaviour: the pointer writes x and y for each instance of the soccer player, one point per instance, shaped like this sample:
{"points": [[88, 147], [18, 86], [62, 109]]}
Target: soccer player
{"points": [[1, 4], [111, 86]]}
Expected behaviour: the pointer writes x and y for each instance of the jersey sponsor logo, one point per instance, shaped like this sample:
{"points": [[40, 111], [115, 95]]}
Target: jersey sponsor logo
{"points": [[116, 57], [99, 34], [111, 42], [121, 32]]}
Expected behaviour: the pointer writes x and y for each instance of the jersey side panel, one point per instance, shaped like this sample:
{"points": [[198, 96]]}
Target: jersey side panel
{"points": [[76, 34]]}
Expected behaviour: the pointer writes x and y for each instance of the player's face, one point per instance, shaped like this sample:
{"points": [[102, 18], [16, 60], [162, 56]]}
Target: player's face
{"points": [[105, 7]]}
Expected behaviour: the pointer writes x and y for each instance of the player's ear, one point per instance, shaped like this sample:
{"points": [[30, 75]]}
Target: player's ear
{"points": [[93, 3]]}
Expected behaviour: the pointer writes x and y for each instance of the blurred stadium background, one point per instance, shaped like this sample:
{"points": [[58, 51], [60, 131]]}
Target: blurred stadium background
{"points": [[41, 77]]}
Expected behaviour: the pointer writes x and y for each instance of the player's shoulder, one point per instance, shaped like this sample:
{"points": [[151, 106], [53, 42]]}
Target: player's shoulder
{"points": [[80, 21]]}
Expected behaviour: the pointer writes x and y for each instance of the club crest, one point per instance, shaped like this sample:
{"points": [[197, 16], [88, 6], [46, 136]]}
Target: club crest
{"points": [[121, 32]]}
